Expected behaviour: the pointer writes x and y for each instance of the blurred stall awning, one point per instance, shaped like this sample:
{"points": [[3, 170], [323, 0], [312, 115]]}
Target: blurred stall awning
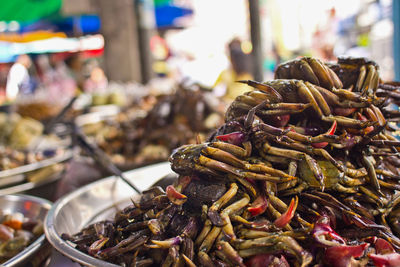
{"points": [[29, 37], [28, 10], [9, 50], [167, 15]]}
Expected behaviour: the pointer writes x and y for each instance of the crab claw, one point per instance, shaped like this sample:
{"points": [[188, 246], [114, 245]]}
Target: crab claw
{"points": [[368, 129], [288, 214], [381, 245], [274, 95], [97, 245], [175, 196], [343, 256], [258, 206], [167, 243], [325, 235], [331, 131], [235, 138], [279, 120], [344, 111], [387, 260], [262, 260]]}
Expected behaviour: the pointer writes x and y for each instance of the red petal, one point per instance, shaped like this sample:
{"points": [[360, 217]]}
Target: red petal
{"points": [[258, 206], [288, 214], [387, 260], [341, 256]]}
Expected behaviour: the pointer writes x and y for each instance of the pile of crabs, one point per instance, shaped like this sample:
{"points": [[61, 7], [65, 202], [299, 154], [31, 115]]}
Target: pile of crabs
{"points": [[304, 172]]}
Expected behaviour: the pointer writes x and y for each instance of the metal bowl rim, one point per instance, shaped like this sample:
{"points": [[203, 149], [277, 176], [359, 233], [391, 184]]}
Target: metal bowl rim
{"points": [[35, 246], [61, 245]]}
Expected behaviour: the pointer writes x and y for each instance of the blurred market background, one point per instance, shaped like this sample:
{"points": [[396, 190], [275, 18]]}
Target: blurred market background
{"points": [[140, 78], [93, 44]]}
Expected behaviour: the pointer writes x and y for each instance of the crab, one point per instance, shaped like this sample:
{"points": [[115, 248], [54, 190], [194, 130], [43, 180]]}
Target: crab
{"points": [[309, 69], [360, 74], [296, 96]]}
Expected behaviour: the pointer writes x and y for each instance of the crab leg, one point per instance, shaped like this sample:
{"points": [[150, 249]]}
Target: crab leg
{"points": [[369, 166], [250, 187], [213, 210], [326, 137], [188, 261], [369, 82], [297, 156], [223, 156], [324, 77], [377, 199], [220, 166], [361, 78], [273, 94], [234, 149], [349, 95], [204, 232], [263, 168], [347, 122], [305, 94], [307, 71], [230, 253], [205, 260], [210, 238], [319, 98], [334, 100], [337, 83]]}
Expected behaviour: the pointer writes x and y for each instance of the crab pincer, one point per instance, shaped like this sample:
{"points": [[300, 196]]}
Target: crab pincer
{"points": [[235, 138], [175, 196], [259, 206], [386, 260], [331, 131], [325, 235], [285, 218], [343, 256]]}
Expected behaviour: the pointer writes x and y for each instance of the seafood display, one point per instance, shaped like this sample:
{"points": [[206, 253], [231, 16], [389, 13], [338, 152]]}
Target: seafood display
{"points": [[17, 233], [148, 133], [19, 137], [304, 172]]}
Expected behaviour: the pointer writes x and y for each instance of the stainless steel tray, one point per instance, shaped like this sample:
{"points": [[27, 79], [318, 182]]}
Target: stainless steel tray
{"points": [[26, 187], [37, 165], [31, 207], [94, 202]]}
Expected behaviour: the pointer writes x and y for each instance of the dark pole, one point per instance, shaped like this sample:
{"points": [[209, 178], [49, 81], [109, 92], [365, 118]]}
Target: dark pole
{"points": [[255, 32], [396, 38], [146, 29]]}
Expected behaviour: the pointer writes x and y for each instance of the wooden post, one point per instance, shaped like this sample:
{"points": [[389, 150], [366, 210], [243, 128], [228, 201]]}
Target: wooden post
{"points": [[121, 49], [255, 31]]}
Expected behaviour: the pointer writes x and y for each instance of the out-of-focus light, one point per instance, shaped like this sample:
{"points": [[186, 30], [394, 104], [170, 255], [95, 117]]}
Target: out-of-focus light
{"points": [[3, 26], [247, 47], [13, 26]]}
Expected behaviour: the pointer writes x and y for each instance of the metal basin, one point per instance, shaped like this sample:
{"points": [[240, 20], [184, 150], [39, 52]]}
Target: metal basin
{"points": [[94, 202], [33, 208]]}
